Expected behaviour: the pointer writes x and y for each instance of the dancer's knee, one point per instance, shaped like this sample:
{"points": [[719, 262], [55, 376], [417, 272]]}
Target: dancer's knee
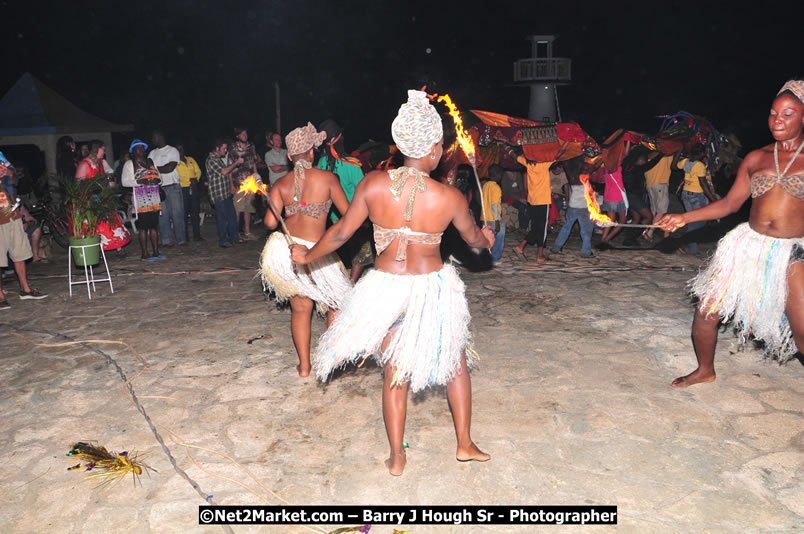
{"points": [[301, 305]]}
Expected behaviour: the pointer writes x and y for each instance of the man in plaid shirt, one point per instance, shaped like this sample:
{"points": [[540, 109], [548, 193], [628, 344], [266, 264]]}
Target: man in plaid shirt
{"points": [[221, 189]]}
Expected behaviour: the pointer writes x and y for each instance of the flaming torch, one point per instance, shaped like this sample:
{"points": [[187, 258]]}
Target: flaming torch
{"points": [[250, 185], [464, 140], [592, 205], [594, 208]]}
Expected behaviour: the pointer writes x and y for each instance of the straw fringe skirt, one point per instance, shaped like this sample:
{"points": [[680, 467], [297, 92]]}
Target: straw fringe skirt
{"points": [[745, 282], [323, 281], [426, 315]]}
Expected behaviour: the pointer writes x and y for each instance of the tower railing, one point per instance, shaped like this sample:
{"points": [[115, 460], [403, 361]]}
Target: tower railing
{"points": [[543, 69]]}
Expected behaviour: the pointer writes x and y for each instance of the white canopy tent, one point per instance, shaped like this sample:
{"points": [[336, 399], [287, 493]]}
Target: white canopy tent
{"points": [[31, 113]]}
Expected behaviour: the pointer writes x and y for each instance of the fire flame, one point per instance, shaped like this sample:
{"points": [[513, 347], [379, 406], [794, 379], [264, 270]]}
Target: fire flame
{"points": [[250, 185], [591, 203], [464, 139]]}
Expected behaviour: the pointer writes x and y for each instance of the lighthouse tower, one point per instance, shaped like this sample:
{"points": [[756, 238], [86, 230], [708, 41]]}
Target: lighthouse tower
{"points": [[543, 73]]}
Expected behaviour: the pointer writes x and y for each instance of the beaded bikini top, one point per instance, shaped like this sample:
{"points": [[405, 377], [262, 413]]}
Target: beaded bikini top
{"points": [[311, 209], [384, 236], [792, 184], [315, 210]]}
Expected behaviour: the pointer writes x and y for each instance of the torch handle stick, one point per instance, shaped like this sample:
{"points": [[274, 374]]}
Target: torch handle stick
{"points": [[279, 217], [626, 225], [479, 188], [480, 192], [286, 231]]}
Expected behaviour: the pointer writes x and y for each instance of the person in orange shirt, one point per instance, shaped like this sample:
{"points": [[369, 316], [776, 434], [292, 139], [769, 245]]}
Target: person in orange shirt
{"points": [[539, 200]]}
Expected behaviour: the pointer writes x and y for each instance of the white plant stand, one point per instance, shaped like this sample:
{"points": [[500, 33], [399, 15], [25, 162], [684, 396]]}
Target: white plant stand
{"points": [[89, 273]]}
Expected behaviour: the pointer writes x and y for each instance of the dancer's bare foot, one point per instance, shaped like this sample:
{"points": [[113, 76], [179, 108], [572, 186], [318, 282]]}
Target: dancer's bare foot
{"points": [[470, 453], [519, 251], [540, 259], [396, 463], [304, 373], [694, 377]]}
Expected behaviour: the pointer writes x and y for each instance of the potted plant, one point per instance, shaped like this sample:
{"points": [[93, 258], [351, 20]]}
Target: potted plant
{"points": [[87, 202]]}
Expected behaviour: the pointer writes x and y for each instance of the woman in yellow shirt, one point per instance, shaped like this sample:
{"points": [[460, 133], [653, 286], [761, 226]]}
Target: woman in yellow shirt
{"points": [[189, 177]]}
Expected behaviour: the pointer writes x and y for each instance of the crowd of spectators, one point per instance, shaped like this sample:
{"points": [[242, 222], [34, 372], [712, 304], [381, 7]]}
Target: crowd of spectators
{"points": [[168, 193]]}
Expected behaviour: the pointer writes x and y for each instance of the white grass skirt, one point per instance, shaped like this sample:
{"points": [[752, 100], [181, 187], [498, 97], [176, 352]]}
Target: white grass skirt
{"points": [[746, 282], [429, 317], [323, 281]]}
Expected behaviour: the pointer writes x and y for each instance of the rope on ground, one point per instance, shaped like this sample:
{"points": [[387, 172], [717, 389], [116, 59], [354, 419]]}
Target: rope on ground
{"points": [[26, 483], [135, 400], [133, 272], [584, 269]]}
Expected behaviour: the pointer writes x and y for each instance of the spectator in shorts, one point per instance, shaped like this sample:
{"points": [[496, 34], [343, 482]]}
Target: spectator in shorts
{"points": [[657, 181], [14, 243], [243, 149], [33, 232]]}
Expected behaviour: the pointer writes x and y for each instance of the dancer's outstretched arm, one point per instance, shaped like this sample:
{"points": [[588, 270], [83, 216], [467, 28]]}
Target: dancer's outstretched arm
{"points": [[465, 224], [727, 205]]}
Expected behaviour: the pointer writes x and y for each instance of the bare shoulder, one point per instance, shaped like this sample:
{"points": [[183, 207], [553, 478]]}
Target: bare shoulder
{"points": [[374, 179], [322, 174], [451, 193], [758, 158], [284, 183], [759, 153]]}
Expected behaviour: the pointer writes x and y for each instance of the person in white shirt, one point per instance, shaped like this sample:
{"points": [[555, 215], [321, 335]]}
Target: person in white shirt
{"points": [[276, 159], [166, 157]]}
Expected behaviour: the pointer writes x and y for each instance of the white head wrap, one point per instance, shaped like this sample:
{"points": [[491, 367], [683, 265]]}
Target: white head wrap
{"points": [[417, 126]]}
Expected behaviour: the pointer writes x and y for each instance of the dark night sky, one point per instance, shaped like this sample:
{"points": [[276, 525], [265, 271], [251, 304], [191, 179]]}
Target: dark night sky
{"points": [[198, 68]]}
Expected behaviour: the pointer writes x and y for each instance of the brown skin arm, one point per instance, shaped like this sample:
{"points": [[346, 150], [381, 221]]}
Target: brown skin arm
{"points": [[358, 211], [706, 189], [338, 195], [676, 157], [465, 224], [271, 220], [727, 205], [168, 167], [338, 233], [82, 170]]}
